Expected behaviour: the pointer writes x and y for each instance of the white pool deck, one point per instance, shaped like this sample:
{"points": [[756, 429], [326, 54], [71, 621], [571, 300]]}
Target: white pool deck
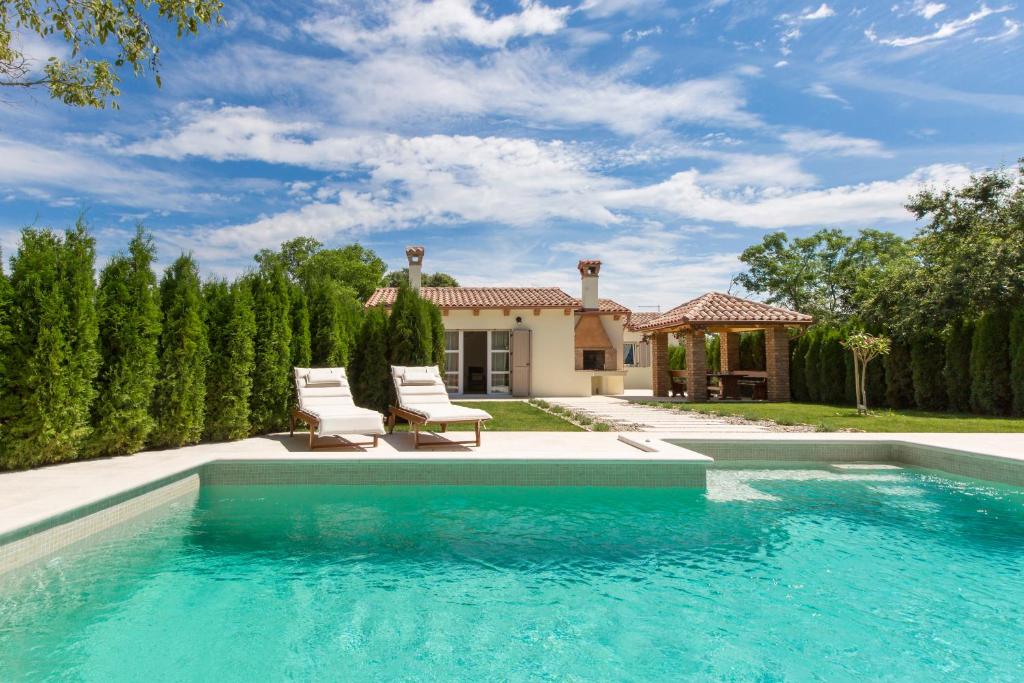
{"points": [[34, 496]]}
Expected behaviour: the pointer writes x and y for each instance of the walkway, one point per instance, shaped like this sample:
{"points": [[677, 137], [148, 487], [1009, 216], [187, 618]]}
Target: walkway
{"points": [[625, 415]]}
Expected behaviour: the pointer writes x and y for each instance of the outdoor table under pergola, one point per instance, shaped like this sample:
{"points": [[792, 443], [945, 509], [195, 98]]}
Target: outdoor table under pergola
{"points": [[727, 316]]}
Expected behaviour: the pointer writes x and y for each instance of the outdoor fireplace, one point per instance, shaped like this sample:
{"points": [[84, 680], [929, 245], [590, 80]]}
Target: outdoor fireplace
{"points": [[593, 359]]}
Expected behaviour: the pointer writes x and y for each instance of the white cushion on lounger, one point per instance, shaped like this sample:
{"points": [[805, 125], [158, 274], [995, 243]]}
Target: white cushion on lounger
{"points": [[430, 400], [418, 377], [436, 412], [335, 419], [324, 376]]}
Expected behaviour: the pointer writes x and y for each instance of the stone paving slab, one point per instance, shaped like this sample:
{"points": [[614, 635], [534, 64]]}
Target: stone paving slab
{"points": [[625, 415]]}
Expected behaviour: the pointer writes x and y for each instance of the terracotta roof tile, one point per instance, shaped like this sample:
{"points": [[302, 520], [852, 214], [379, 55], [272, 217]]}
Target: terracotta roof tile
{"points": [[495, 297], [641, 317], [716, 307]]}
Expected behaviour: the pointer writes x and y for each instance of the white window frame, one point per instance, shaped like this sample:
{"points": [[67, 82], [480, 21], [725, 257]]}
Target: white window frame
{"points": [[490, 357], [636, 353], [458, 362]]}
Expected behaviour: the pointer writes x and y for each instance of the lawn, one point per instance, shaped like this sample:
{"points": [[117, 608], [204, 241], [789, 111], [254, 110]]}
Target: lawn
{"points": [[830, 418], [510, 416]]}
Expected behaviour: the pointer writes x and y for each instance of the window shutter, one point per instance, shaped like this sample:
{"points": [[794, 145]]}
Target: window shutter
{"points": [[644, 361]]}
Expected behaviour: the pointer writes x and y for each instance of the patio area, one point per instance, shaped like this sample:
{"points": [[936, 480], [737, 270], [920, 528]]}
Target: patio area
{"points": [[728, 317]]}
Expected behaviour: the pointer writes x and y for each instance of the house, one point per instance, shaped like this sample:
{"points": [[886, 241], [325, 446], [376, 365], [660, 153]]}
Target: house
{"points": [[636, 350], [528, 341]]}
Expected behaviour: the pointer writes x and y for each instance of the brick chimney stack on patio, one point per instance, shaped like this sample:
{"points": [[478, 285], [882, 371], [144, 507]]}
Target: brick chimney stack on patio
{"points": [[415, 256], [589, 270]]}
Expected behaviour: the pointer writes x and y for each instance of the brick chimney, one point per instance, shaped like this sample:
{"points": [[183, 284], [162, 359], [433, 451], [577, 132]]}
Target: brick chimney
{"points": [[589, 270], [415, 256]]}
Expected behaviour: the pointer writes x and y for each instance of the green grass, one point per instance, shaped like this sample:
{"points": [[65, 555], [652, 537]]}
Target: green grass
{"points": [[509, 416], [831, 418]]}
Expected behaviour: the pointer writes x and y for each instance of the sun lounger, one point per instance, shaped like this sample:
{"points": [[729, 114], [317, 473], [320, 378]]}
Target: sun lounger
{"points": [[325, 404], [422, 399]]}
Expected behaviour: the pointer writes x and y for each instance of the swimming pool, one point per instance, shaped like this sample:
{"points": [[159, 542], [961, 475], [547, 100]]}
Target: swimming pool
{"points": [[773, 574]]}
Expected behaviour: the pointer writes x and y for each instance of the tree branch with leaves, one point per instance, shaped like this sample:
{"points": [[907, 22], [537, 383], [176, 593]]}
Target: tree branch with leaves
{"points": [[104, 36], [865, 348]]}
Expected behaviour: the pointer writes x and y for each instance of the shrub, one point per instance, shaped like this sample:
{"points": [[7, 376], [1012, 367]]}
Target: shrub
{"points": [[677, 357], [178, 402], [1017, 361], [272, 368], [812, 365], [831, 367], [301, 355], [713, 352], [335, 319], [899, 380], [5, 323], [599, 427], [990, 364], [957, 369], [433, 314], [409, 330], [752, 351], [927, 358], [51, 356], [231, 325], [368, 369], [128, 306], [797, 368]]}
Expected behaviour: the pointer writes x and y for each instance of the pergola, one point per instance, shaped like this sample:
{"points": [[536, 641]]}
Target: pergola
{"points": [[727, 316]]}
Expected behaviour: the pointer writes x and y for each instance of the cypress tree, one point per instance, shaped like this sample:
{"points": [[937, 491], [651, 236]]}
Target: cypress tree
{"points": [[713, 352], [812, 365], [5, 327], [957, 370], [899, 379], [231, 326], [410, 341], [876, 378], [51, 356], [831, 367], [335, 317], [437, 334], [677, 357], [129, 330], [926, 362], [797, 365], [272, 369], [752, 350], [1017, 361], [178, 401], [990, 364], [301, 349], [368, 369]]}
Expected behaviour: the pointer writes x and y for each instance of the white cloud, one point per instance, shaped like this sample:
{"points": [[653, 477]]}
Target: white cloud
{"points": [[928, 10], [632, 35], [823, 12], [942, 31], [531, 84], [43, 171], [781, 63], [606, 8], [410, 22], [684, 196], [834, 144], [1011, 30], [825, 92]]}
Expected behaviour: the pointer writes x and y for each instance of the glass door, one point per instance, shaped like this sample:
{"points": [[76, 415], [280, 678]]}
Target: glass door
{"points": [[499, 367], [453, 361]]}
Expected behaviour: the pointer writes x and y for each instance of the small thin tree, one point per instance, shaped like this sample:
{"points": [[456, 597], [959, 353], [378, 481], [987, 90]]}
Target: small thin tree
{"points": [[865, 348]]}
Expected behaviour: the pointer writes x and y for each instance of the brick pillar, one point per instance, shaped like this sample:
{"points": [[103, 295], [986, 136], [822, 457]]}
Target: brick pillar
{"points": [[776, 353], [659, 364], [696, 366], [729, 343]]}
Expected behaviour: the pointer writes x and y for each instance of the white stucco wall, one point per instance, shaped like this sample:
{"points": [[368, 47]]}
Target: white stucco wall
{"points": [[641, 378], [553, 353]]}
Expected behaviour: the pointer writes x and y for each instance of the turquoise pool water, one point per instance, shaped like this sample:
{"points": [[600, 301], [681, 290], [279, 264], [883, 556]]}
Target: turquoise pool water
{"points": [[775, 574]]}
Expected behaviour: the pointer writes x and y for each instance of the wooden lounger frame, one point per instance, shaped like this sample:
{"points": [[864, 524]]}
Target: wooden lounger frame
{"points": [[416, 421], [313, 422]]}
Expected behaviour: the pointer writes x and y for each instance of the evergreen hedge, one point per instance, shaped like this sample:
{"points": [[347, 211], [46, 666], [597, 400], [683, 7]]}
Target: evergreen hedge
{"points": [[335, 316], [369, 371], [927, 359], [957, 366], [797, 368], [301, 354], [812, 366], [51, 357], [677, 357], [831, 367], [752, 351], [128, 306], [1017, 361], [990, 364], [436, 334], [410, 341], [899, 377], [231, 326], [178, 402], [272, 369]]}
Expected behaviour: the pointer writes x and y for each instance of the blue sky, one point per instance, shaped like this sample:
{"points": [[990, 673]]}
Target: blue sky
{"points": [[512, 139]]}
